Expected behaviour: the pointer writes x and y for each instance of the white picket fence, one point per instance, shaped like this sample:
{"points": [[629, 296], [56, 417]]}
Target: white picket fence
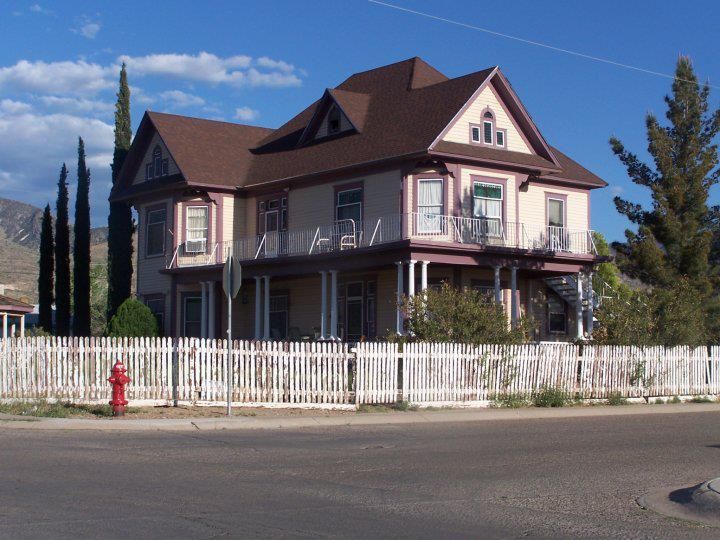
{"points": [[194, 371]]}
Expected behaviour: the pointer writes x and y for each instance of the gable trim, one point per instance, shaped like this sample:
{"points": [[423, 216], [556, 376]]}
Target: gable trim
{"points": [[323, 106]]}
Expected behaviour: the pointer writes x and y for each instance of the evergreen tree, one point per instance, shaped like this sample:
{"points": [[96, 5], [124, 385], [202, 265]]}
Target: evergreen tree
{"points": [[120, 223], [674, 237], [81, 248], [47, 271], [62, 258]]}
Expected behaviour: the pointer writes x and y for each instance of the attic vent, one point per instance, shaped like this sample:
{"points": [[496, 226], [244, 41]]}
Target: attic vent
{"points": [[334, 120]]}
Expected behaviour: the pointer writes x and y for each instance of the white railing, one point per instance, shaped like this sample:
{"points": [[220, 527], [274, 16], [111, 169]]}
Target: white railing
{"points": [[349, 234]]}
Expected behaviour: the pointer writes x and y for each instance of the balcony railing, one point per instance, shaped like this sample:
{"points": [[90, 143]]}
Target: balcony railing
{"points": [[349, 234]]}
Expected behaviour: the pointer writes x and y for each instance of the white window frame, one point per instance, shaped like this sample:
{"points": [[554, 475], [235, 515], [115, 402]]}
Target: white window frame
{"points": [[203, 242], [504, 138], [163, 225], [563, 213], [359, 203], [432, 225], [473, 128], [501, 218]]}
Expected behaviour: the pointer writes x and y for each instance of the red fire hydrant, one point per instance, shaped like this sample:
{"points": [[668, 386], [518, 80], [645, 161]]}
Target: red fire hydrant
{"points": [[118, 381]]}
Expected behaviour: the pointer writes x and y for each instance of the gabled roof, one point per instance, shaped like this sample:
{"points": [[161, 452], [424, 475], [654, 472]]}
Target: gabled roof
{"points": [[398, 111]]}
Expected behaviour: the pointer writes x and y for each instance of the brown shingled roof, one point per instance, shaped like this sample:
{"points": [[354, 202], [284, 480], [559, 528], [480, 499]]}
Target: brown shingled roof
{"points": [[398, 111]]}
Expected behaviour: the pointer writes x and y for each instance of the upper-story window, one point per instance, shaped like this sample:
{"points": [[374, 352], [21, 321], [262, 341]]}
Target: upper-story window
{"points": [[488, 207], [430, 204], [158, 165], [487, 132], [196, 229], [333, 120], [349, 205], [155, 232], [272, 214]]}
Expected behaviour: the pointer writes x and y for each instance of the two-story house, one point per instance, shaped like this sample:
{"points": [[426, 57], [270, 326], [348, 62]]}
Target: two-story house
{"points": [[396, 180]]}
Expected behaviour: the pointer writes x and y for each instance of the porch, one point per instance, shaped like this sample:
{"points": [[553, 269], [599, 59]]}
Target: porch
{"points": [[348, 235]]}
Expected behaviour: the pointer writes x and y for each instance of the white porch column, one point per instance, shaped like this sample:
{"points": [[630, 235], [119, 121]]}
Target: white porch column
{"points": [[258, 307], [5, 326], [323, 304], [211, 310], [591, 305], [498, 290], [399, 314], [333, 305], [203, 310], [514, 315], [423, 275], [411, 278], [22, 326], [266, 314], [579, 308]]}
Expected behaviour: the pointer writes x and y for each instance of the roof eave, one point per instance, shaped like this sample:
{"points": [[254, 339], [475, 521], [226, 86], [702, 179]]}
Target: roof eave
{"points": [[460, 157]]}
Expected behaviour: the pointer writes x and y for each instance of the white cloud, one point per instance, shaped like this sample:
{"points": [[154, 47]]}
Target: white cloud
{"points": [[210, 68], [37, 8], [65, 77], [11, 107], [77, 105], [246, 114], [89, 30], [181, 99]]}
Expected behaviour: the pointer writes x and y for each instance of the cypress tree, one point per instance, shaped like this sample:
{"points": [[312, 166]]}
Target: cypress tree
{"points": [[673, 241], [81, 248], [62, 258], [47, 270], [120, 223]]}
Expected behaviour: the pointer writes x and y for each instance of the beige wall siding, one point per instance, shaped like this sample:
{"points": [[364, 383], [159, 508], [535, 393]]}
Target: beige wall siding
{"points": [[172, 166], [533, 211], [228, 218], [323, 128], [460, 130], [147, 270]]}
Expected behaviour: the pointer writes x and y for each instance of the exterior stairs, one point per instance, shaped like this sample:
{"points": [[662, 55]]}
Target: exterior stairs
{"points": [[564, 286]]}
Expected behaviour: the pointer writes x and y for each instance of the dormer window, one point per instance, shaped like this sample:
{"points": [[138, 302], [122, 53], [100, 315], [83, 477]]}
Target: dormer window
{"points": [[333, 120], [487, 133], [158, 166]]}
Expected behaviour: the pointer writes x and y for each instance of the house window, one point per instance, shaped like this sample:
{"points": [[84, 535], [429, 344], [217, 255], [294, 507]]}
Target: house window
{"points": [[156, 304], [272, 215], [487, 207], [192, 316], [333, 120], [500, 137], [349, 205], [196, 229], [158, 166], [486, 289], [556, 213], [155, 232], [430, 205], [279, 315], [475, 134], [557, 318], [488, 127]]}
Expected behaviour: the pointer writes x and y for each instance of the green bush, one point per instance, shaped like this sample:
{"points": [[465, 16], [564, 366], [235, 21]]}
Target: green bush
{"points": [[511, 401], [453, 315], [133, 319], [675, 399], [616, 399], [550, 397], [701, 399]]}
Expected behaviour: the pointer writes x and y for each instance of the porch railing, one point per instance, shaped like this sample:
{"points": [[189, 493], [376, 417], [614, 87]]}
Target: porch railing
{"points": [[420, 227]]}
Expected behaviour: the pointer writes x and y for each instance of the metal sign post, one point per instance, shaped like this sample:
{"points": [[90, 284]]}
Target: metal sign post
{"points": [[232, 278]]}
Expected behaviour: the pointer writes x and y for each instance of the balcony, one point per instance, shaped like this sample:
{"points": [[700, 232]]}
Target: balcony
{"points": [[349, 235]]}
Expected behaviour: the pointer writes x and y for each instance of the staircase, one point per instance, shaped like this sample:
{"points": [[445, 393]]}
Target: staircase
{"points": [[564, 286]]}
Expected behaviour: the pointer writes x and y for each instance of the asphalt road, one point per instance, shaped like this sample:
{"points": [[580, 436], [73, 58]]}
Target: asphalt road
{"points": [[536, 478]]}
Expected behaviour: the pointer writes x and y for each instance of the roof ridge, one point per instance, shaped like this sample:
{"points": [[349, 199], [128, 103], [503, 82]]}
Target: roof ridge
{"points": [[211, 120]]}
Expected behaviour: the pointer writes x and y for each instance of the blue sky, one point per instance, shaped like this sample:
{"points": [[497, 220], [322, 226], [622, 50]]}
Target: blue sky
{"points": [[262, 62]]}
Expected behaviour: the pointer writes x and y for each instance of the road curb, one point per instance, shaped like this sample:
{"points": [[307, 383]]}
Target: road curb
{"points": [[358, 419]]}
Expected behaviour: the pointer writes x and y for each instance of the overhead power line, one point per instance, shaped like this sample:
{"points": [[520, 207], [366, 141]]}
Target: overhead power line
{"points": [[535, 43]]}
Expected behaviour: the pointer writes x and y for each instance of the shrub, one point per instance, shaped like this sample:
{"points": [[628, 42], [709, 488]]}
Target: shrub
{"points": [[549, 396], [659, 401], [511, 401], [674, 399], [133, 319], [701, 399], [616, 399], [453, 315]]}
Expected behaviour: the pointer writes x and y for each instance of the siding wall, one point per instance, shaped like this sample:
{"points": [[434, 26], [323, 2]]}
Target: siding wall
{"points": [[460, 130], [533, 211], [149, 279], [323, 128], [172, 166]]}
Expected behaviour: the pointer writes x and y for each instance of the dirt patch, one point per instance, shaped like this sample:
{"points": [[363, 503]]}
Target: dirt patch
{"points": [[220, 412]]}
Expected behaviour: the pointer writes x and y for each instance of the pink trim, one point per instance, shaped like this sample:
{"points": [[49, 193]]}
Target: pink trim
{"points": [[557, 196], [404, 203], [219, 225], [16, 309], [512, 120], [554, 185]]}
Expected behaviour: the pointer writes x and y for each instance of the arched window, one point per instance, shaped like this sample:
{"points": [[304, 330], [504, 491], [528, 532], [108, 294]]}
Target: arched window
{"points": [[334, 120], [487, 132], [158, 166]]}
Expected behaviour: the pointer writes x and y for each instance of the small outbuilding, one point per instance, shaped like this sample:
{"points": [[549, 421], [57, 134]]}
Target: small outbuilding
{"points": [[13, 313]]}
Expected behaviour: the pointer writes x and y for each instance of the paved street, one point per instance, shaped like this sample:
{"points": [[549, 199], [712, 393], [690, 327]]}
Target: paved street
{"points": [[574, 477]]}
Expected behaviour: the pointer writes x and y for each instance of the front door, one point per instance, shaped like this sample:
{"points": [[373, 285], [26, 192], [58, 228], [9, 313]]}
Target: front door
{"points": [[354, 312]]}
